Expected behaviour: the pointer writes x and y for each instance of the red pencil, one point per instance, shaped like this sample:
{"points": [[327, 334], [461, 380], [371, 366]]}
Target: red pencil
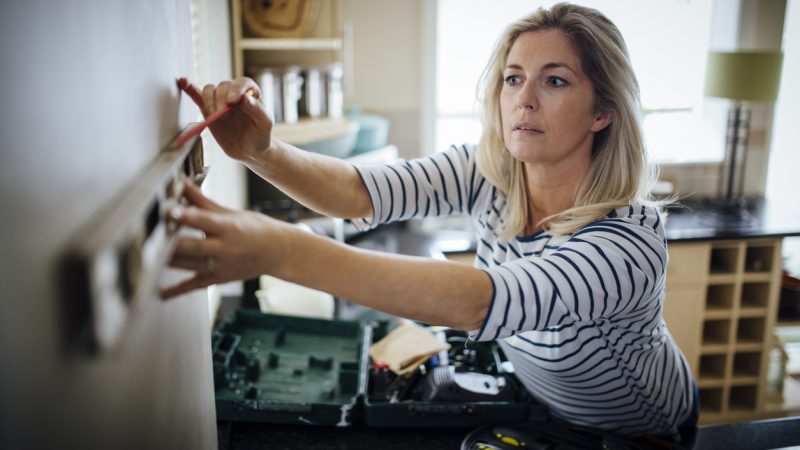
{"points": [[188, 134]]}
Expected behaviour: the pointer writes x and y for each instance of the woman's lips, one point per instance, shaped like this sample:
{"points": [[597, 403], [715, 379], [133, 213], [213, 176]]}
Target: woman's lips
{"points": [[526, 128]]}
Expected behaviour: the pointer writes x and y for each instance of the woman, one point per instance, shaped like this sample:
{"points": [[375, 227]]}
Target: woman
{"points": [[571, 258]]}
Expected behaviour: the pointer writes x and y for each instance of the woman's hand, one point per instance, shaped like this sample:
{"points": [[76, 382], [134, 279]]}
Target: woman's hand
{"points": [[244, 132], [237, 245]]}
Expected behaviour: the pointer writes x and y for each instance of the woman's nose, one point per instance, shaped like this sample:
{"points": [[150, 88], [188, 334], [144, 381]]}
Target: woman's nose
{"points": [[527, 97]]}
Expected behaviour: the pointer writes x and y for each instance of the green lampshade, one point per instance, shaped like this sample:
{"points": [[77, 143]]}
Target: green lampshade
{"points": [[752, 76]]}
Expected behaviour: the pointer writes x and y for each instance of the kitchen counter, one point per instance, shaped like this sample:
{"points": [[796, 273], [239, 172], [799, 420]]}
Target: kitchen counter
{"points": [[699, 221], [687, 221], [765, 434]]}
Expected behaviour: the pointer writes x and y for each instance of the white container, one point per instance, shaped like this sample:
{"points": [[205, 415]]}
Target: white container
{"points": [[334, 95], [281, 89], [265, 78], [291, 90], [281, 297]]}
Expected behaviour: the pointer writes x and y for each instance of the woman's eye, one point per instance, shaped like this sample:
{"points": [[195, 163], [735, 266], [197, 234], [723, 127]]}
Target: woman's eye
{"points": [[512, 80], [556, 81]]}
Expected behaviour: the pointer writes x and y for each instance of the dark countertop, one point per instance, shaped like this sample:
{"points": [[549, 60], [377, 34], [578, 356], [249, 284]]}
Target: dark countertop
{"points": [[688, 221], [699, 221], [247, 436], [766, 434]]}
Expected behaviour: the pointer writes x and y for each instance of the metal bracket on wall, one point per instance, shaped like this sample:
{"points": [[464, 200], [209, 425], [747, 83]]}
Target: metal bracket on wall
{"points": [[115, 259]]}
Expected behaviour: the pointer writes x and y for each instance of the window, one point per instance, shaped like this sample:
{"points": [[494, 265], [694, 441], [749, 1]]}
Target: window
{"points": [[668, 41]]}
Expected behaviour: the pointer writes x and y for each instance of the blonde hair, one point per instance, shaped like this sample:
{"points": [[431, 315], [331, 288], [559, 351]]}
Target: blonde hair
{"points": [[619, 174]]}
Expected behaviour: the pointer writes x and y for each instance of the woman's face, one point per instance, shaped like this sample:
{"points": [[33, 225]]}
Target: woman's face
{"points": [[547, 100]]}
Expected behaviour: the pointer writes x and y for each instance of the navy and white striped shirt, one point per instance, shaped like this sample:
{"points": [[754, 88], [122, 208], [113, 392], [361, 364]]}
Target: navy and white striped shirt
{"points": [[579, 315]]}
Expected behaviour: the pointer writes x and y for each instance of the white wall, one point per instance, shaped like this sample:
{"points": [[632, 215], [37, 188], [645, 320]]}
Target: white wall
{"points": [[226, 183], [785, 155], [739, 25], [387, 64], [89, 100]]}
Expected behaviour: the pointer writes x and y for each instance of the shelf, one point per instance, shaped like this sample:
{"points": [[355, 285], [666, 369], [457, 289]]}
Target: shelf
{"points": [[744, 381], [710, 349], [756, 277], [290, 44], [748, 347], [752, 312], [323, 43], [707, 383], [717, 314], [721, 278]]}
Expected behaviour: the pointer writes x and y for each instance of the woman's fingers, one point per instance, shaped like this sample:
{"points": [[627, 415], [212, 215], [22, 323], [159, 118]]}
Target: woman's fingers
{"points": [[194, 264], [196, 282], [211, 97], [208, 222], [257, 113], [193, 92], [195, 248], [240, 87], [196, 197], [221, 94], [208, 98]]}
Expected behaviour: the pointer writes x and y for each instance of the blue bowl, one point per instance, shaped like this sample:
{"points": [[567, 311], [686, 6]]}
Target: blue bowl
{"points": [[373, 132]]}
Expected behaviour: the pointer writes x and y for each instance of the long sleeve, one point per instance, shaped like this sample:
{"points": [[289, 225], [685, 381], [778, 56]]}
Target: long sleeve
{"points": [[442, 184], [610, 268]]}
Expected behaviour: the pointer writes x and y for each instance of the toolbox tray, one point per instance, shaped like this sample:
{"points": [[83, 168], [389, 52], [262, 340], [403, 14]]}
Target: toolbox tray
{"points": [[293, 370]]}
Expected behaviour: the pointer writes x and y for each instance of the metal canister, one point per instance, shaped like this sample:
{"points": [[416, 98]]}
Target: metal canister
{"points": [[266, 79], [334, 94], [312, 102], [291, 89]]}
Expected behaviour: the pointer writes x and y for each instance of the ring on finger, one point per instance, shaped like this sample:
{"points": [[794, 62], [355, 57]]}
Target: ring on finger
{"points": [[209, 265]]}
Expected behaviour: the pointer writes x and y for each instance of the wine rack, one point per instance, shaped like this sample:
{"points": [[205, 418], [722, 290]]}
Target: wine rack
{"points": [[720, 307]]}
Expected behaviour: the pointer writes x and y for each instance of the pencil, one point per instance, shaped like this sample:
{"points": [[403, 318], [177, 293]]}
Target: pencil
{"points": [[189, 134]]}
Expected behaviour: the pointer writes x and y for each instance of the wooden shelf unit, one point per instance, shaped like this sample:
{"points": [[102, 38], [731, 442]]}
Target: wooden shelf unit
{"points": [[323, 45], [720, 307]]}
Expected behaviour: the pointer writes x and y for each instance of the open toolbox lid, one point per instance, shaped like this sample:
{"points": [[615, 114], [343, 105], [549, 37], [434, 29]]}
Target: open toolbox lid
{"points": [[294, 370]]}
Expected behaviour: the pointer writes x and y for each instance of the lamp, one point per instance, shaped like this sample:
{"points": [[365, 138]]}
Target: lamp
{"points": [[744, 76]]}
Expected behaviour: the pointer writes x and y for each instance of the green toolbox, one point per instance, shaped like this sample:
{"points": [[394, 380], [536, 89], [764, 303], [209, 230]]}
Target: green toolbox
{"points": [[294, 370]]}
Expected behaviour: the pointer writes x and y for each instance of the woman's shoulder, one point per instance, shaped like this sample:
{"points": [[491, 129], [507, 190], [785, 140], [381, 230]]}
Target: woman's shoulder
{"points": [[465, 150], [646, 218]]}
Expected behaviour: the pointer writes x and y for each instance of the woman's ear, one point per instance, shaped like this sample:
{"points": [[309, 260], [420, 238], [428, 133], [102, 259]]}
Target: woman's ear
{"points": [[601, 121]]}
